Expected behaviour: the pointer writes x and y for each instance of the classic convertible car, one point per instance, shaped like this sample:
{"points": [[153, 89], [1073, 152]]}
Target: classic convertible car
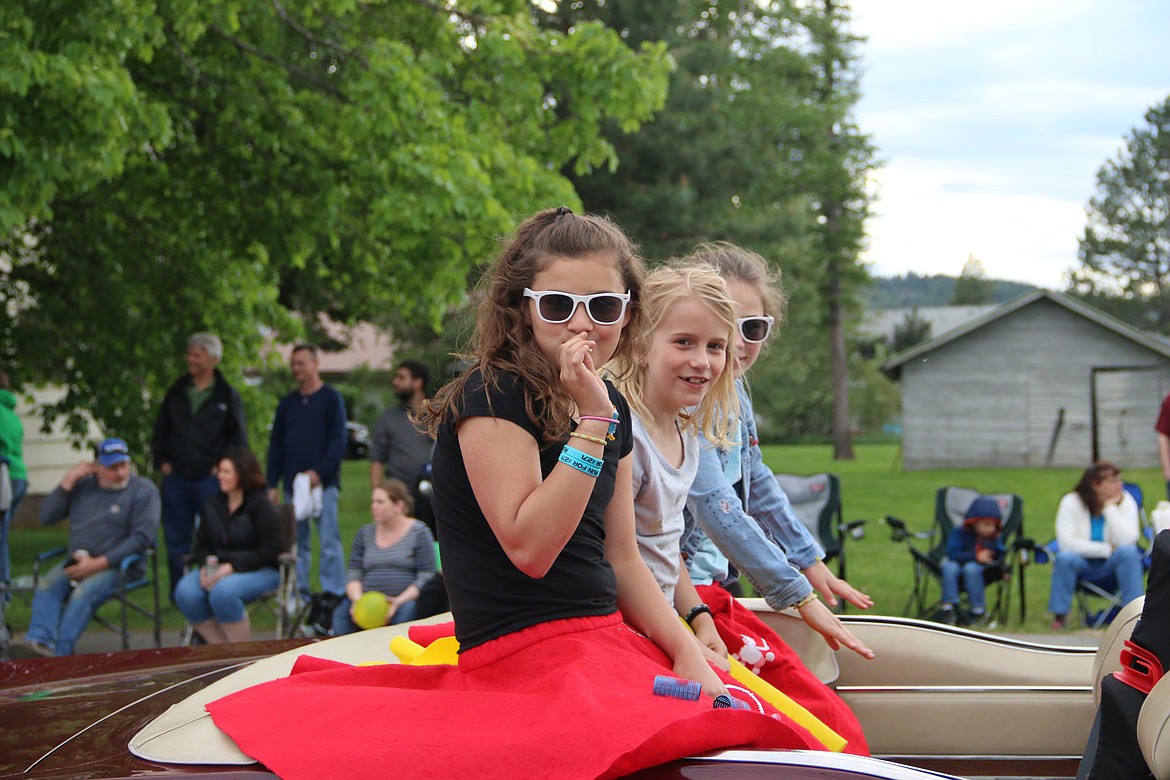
{"points": [[936, 700]]}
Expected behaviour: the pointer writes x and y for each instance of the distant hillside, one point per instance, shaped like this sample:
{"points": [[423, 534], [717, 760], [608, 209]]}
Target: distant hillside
{"points": [[896, 292]]}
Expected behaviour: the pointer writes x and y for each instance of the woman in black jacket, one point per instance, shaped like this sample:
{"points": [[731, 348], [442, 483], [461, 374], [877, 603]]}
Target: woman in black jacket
{"points": [[237, 545]]}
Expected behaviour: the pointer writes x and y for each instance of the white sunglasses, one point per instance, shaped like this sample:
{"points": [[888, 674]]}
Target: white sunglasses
{"points": [[755, 329], [556, 307]]}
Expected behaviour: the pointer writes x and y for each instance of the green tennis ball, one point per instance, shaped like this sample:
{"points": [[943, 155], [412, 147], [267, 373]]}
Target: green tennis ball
{"points": [[370, 609]]}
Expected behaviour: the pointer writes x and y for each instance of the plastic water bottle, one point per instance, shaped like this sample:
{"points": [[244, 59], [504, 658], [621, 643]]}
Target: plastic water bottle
{"points": [[211, 565], [73, 560]]}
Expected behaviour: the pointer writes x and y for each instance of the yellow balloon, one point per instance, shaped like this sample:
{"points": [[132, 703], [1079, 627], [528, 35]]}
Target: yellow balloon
{"points": [[370, 609]]}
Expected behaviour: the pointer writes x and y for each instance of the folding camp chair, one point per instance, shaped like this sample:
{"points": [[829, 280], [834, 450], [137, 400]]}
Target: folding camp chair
{"points": [[950, 506], [283, 601], [137, 575], [816, 500], [1098, 600]]}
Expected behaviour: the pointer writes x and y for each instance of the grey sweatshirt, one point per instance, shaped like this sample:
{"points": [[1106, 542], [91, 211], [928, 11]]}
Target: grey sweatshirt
{"points": [[113, 523]]}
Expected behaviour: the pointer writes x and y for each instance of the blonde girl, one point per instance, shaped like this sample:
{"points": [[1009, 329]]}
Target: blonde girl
{"points": [[677, 380]]}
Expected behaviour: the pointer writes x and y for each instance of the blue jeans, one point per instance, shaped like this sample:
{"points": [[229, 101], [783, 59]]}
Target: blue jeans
{"points": [[971, 575], [226, 599], [1125, 566], [61, 611], [343, 623], [332, 568], [182, 499], [19, 488]]}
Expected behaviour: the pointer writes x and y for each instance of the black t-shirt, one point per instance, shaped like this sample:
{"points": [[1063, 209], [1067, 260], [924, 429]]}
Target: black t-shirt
{"points": [[490, 597]]}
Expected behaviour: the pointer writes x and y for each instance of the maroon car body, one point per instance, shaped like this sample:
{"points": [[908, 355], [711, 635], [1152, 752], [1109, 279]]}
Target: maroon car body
{"points": [[71, 718]]}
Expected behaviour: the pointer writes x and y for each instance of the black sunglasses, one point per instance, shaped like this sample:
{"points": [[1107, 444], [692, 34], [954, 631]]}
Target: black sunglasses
{"points": [[755, 329], [556, 307]]}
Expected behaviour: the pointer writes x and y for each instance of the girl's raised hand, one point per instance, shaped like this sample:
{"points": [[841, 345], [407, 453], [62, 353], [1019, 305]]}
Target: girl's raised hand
{"points": [[580, 376]]}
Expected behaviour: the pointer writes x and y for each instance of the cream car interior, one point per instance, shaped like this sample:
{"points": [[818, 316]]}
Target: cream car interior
{"points": [[932, 690]]}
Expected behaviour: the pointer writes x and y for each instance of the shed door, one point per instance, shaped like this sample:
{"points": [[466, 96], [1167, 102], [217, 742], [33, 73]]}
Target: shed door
{"points": [[1058, 416], [1125, 406]]}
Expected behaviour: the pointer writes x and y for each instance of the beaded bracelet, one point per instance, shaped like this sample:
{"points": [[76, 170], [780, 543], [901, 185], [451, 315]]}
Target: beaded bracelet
{"points": [[587, 437], [810, 598], [583, 462]]}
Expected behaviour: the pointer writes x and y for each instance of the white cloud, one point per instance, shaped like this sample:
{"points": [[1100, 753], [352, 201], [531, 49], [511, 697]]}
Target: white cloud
{"points": [[993, 120], [944, 216]]}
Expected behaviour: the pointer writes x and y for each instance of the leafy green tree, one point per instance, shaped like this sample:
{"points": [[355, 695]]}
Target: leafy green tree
{"points": [[1125, 250], [913, 329], [241, 167], [756, 145], [973, 288]]}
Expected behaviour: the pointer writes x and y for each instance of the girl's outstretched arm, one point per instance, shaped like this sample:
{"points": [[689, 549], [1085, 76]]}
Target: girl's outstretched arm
{"points": [[830, 627], [685, 599]]}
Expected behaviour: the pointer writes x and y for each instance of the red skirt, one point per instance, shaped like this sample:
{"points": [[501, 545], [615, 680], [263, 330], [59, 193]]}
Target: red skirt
{"points": [[565, 699], [760, 649]]}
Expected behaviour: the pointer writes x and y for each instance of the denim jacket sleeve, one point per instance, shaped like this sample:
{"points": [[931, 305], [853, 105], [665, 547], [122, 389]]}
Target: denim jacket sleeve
{"points": [[769, 504], [717, 509]]}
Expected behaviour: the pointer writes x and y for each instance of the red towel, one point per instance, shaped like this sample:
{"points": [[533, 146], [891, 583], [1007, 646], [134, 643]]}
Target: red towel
{"points": [[760, 649], [425, 634], [566, 699]]}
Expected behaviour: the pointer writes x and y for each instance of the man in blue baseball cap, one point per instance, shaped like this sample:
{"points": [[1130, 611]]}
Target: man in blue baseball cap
{"points": [[112, 514]]}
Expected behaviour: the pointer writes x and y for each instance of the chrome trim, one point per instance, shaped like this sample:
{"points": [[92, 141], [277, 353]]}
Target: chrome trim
{"points": [[861, 765], [966, 633], [1082, 689]]}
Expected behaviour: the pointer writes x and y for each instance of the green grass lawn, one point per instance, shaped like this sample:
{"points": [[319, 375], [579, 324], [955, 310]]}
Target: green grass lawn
{"points": [[872, 486]]}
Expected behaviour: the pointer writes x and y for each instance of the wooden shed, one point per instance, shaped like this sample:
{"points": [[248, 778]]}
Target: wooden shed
{"points": [[1044, 380]]}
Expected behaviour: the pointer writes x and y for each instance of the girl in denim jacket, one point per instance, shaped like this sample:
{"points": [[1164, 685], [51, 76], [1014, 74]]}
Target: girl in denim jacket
{"points": [[736, 510]]}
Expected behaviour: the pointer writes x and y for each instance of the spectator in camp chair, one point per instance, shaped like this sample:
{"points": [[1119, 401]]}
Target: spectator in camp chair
{"points": [[1097, 530], [972, 549]]}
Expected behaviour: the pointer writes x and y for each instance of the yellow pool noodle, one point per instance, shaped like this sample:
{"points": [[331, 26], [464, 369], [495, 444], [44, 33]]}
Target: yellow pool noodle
{"points": [[787, 706], [405, 649], [442, 651]]}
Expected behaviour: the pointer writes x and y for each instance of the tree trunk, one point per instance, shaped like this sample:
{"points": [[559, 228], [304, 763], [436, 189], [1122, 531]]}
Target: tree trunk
{"points": [[842, 433], [831, 210]]}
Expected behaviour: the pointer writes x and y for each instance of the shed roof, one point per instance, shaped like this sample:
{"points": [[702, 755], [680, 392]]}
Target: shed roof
{"points": [[892, 367]]}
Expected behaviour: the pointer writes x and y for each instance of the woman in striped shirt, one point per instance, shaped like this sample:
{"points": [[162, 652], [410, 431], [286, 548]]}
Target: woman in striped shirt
{"points": [[394, 555]]}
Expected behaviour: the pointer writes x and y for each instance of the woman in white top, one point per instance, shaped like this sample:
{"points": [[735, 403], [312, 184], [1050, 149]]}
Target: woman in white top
{"points": [[1097, 529]]}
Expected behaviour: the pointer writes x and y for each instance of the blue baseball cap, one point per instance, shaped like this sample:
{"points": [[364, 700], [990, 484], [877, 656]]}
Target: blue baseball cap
{"points": [[113, 451]]}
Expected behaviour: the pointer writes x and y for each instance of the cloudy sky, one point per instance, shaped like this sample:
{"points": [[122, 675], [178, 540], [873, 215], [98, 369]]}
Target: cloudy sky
{"points": [[992, 119]]}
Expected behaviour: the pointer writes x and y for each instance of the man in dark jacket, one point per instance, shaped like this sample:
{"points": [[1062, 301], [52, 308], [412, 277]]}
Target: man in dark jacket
{"points": [[202, 417]]}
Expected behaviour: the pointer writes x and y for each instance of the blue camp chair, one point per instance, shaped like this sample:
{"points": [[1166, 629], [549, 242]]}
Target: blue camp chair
{"points": [[1098, 600]]}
